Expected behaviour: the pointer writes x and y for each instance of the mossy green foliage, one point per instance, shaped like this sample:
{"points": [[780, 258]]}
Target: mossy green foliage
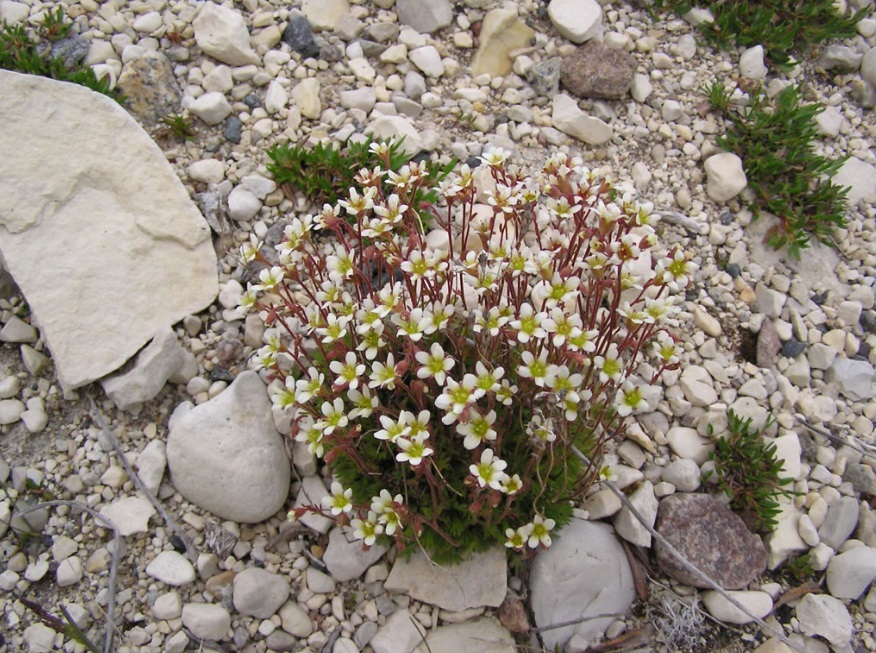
{"points": [[20, 53], [179, 127], [775, 138], [780, 26], [474, 529], [325, 173], [747, 470]]}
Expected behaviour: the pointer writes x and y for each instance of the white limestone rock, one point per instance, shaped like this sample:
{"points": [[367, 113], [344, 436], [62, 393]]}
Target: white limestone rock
{"points": [[577, 20], [226, 456], [725, 177], [785, 540], [584, 573], [325, 14], [151, 464], [824, 616], [259, 593], [171, 568], [480, 581], [758, 603], [276, 97], [129, 514], [860, 177], [425, 16], [345, 556], [397, 127], [482, 635], [66, 197], [850, 573], [628, 526], [221, 33], [751, 64], [400, 634], [208, 171], [428, 60], [13, 12], [306, 97], [242, 204], [206, 620], [502, 32], [150, 371], [212, 108], [570, 119]]}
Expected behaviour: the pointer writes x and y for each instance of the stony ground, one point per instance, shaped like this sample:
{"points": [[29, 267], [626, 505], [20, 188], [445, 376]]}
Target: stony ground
{"points": [[369, 70]]}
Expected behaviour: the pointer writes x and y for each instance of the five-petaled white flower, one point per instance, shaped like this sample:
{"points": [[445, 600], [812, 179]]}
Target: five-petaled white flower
{"points": [[348, 371], [477, 430], [339, 501], [367, 529], [383, 375], [434, 363], [540, 532], [489, 471], [455, 397], [414, 450], [610, 366]]}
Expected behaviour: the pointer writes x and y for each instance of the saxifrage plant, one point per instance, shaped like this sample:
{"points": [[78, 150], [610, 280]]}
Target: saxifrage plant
{"points": [[324, 173], [747, 470], [444, 375], [775, 139]]}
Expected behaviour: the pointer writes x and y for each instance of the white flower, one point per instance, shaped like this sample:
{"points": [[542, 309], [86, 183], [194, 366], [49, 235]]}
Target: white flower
{"points": [[309, 387], [489, 471], [363, 401], [610, 366], [339, 501], [383, 375], [477, 430], [516, 539], [392, 429], [333, 415], [383, 505], [367, 529], [540, 532], [414, 450], [529, 324], [537, 369], [435, 363], [455, 397], [348, 372]]}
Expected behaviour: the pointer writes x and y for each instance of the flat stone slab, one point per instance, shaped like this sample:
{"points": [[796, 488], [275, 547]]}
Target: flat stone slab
{"points": [[95, 227], [480, 581]]}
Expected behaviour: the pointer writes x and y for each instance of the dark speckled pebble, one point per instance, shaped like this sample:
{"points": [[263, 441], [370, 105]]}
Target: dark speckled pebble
{"points": [[733, 270], [793, 348], [299, 37], [252, 101], [233, 127], [868, 321]]}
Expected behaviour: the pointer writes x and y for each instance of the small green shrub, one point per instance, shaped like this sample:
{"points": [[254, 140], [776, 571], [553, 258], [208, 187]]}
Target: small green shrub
{"points": [[179, 127], [747, 470], [444, 375], [19, 53], [775, 140], [326, 173], [780, 26]]}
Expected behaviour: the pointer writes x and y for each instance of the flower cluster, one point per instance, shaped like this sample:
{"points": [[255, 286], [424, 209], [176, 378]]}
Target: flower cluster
{"points": [[444, 373]]}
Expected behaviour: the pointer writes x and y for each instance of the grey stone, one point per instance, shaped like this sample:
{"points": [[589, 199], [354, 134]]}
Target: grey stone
{"points": [[583, 574], [172, 568], [479, 581], [862, 477], [482, 635], [840, 57], [400, 634], [206, 620], [259, 593], [346, 557], [59, 189], [825, 616], [757, 603], [226, 456], [544, 76], [850, 573], [683, 474], [856, 378], [425, 16], [712, 538], [841, 519], [17, 330], [148, 373]]}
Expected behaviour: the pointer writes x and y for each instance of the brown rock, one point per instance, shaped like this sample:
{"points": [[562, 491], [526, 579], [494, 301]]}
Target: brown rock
{"points": [[712, 538], [220, 584], [513, 615], [596, 71], [768, 345], [150, 88]]}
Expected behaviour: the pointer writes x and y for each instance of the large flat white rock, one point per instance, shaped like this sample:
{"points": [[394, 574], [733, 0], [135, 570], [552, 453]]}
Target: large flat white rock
{"points": [[95, 227]]}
